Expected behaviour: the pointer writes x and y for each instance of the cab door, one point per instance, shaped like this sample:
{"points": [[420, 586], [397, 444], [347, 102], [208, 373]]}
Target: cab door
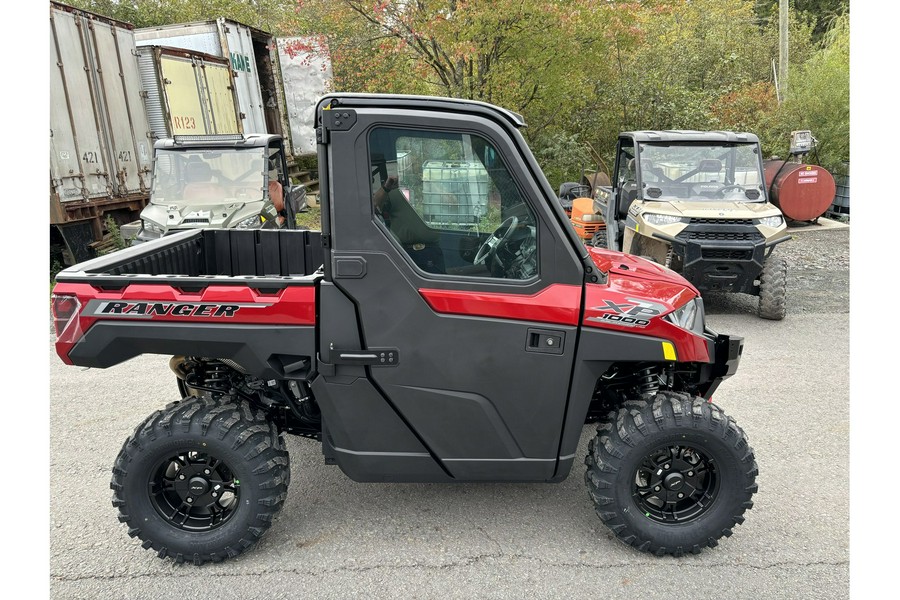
{"points": [[451, 302]]}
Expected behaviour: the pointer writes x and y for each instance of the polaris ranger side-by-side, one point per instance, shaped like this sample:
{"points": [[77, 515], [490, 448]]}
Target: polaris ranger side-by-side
{"points": [[696, 201], [413, 344], [224, 180]]}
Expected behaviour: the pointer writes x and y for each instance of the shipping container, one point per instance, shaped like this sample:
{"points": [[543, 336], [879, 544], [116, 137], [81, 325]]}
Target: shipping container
{"points": [[100, 151], [187, 92], [253, 58], [306, 74]]}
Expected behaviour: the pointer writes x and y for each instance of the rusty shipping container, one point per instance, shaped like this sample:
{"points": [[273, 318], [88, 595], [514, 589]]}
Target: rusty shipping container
{"points": [[254, 64], [100, 151]]}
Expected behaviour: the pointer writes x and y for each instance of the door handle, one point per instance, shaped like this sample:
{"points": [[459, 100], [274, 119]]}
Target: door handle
{"points": [[373, 357], [545, 341]]}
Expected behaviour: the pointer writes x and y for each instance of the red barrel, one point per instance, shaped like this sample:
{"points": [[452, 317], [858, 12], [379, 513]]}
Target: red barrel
{"points": [[802, 192]]}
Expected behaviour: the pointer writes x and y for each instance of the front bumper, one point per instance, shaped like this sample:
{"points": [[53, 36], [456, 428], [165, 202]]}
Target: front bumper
{"points": [[725, 352], [722, 265], [726, 256]]}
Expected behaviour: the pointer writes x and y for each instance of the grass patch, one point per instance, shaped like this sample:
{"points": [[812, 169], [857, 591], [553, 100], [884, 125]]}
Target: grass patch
{"points": [[311, 218]]}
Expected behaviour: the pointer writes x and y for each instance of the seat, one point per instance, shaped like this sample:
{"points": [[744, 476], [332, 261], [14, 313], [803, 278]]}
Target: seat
{"points": [[628, 194], [199, 186]]}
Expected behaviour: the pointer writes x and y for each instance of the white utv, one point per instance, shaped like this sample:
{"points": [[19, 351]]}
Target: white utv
{"points": [[218, 181]]}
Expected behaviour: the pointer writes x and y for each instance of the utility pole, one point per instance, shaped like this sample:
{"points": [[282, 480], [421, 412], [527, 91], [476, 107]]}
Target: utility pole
{"points": [[783, 48]]}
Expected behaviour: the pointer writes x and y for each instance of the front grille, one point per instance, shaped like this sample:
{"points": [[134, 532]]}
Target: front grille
{"points": [[737, 236], [744, 222], [196, 221], [716, 254]]}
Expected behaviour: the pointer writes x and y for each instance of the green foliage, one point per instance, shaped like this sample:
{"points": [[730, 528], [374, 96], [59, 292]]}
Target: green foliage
{"points": [[563, 157], [114, 239], [819, 96], [55, 267], [579, 71], [275, 16], [311, 218]]}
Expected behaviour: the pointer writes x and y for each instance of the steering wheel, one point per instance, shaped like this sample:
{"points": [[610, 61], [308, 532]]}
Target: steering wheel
{"points": [[733, 186], [490, 245]]}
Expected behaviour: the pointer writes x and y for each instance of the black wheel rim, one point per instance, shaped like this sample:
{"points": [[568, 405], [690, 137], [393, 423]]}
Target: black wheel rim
{"points": [[675, 483], [194, 491]]}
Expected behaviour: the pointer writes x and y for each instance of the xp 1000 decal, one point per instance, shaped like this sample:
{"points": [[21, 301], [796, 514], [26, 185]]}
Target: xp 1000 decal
{"points": [[631, 313]]}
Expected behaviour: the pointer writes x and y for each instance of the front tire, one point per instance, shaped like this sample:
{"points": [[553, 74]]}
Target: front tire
{"points": [[670, 476], [201, 480], [773, 289]]}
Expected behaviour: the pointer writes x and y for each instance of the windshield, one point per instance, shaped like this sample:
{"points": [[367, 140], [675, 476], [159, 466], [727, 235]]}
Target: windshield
{"points": [[206, 176], [701, 172]]}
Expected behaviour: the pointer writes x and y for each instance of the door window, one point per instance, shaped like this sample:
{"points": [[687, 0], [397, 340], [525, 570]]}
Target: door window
{"points": [[450, 202]]}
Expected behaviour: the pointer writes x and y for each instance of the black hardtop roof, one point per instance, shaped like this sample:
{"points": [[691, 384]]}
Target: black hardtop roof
{"points": [[690, 135], [251, 140], [351, 100]]}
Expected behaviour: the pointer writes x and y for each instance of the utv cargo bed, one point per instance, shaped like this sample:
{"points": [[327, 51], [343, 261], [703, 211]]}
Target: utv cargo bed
{"points": [[227, 255]]}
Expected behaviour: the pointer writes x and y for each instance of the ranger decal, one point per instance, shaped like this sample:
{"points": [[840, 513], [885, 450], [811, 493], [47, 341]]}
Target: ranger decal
{"points": [[147, 309]]}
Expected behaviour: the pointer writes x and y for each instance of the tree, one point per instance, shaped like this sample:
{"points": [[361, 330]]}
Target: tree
{"points": [[820, 96], [275, 16]]}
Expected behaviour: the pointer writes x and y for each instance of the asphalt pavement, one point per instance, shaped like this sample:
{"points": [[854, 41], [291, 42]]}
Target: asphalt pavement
{"points": [[338, 539]]}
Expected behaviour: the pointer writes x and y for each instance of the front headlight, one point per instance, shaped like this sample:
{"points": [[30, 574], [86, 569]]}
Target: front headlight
{"points": [[773, 222], [254, 222], [152, 227], [689, 316], [591, 218], [656, 219]]}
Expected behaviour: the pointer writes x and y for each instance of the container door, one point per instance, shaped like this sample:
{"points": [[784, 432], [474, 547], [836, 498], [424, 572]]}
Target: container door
{"points": [[184, 96], [467, 292], [78, 166], [124, 117], [220, 99], [198, 94], [239, 44]]}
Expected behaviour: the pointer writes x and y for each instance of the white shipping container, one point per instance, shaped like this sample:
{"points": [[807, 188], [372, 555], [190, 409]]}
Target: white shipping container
{"points": [[306, 74], [99, 146], [100, 150]]}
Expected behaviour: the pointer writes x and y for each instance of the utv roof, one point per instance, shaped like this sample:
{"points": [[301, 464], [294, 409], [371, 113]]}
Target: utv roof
{"points": [[689, 135], [229, 140], [350, 100]]}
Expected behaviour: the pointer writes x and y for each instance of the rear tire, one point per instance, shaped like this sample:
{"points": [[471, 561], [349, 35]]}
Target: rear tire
{"points": [[599, 239], [773, 289], [201, 480], [648, 453]]}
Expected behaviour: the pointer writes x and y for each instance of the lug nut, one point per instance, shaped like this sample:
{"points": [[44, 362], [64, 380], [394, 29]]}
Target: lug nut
{"points": [[206, 471], [690, 473], [214, 495], [666, 467], [680, 495], [656, 489], [181, 477], [190, 500]]}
